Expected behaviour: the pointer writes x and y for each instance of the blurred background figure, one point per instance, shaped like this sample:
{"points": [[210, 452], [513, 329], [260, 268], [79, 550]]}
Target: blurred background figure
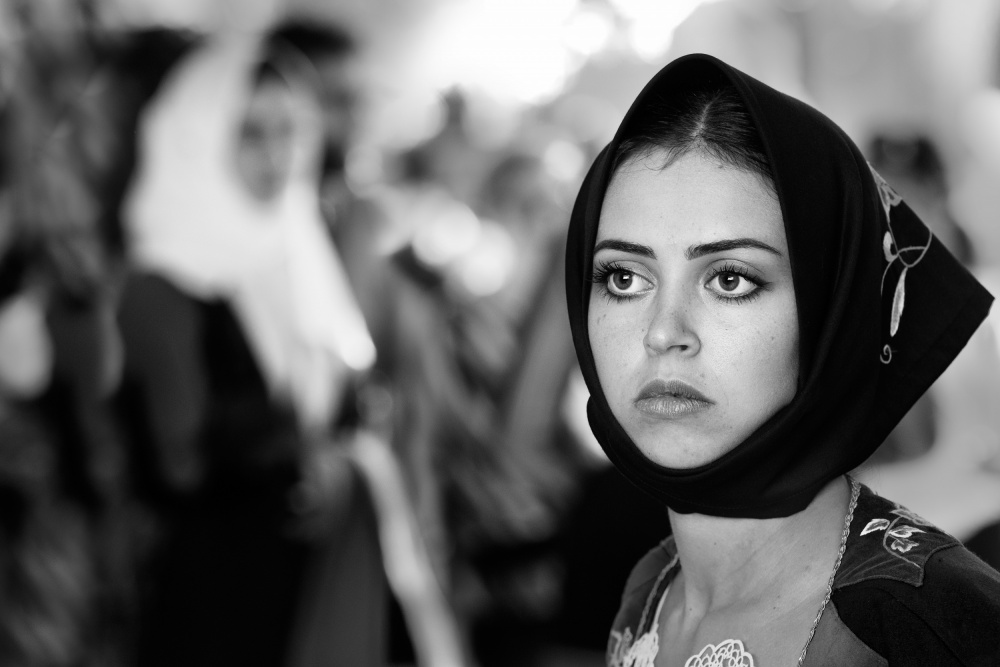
{"points": [[481, 373], [47, 568], [65, 144], [241, 337], [413, 617], [284, 365]]}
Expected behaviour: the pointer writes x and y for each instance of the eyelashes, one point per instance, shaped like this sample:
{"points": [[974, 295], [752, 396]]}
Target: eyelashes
{"points": [[605, 274], [731, 269]]}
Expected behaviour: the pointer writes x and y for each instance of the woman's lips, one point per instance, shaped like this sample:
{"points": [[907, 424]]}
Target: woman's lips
{"points": [[660, 398]]}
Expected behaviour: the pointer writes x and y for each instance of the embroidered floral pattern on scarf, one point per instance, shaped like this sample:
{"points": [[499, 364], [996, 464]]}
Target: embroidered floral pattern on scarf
{"points": [[907, 255]]}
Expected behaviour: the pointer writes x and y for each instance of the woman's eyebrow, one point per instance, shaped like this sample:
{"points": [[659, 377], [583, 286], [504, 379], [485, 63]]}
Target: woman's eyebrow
{"points": [[625, 246], [703, 249]]}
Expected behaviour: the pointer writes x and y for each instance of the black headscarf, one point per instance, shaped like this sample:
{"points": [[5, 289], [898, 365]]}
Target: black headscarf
{"points": [[883, 309]]}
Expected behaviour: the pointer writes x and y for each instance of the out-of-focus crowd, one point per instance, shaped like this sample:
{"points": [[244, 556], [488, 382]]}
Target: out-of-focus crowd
{"points": [[251, 416], [254, 414]]}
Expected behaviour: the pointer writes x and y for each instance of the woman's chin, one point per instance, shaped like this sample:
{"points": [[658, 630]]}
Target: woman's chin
{"points": [[680, 453], [677, 443]]}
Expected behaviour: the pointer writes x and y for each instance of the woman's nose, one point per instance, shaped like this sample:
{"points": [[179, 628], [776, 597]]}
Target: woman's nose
{"points": [[671, 328]]}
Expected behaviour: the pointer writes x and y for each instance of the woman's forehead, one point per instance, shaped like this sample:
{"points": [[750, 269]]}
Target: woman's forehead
{"points": [[693, 199]]}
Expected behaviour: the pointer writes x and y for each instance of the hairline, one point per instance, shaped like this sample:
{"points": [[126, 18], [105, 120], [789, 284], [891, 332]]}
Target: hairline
{"points": [[642, 153]]}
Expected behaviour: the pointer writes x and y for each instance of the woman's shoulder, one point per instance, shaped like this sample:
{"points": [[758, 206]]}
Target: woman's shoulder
{"points": [[911, 592], [953, 618], [889, 541]]}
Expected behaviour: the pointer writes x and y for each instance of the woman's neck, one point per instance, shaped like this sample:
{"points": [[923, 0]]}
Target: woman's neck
{"points": [[728, 562]]}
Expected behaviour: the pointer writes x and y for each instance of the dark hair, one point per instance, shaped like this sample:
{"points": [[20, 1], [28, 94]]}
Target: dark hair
{"points": [[293, 49], [711, 119], [313, 39]]}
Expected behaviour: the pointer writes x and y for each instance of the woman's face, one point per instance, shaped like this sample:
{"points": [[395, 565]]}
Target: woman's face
{"points": [[692, 314], [266, 141]]}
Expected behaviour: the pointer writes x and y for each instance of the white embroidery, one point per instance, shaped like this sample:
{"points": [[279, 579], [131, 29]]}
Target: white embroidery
{"points": [[892, 252], [618, 646], [729, 653], [643, 652], [899, 534]]}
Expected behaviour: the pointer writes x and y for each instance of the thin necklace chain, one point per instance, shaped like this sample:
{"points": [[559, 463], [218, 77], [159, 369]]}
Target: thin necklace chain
{"points": [[855, 491]]}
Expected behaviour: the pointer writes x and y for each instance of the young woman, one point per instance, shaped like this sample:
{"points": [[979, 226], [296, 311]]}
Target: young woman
{"points": [[754, 309]]}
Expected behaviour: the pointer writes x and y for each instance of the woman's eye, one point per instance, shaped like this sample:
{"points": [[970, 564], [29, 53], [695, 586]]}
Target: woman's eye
{"points": [[728, 284], [624, 282]]}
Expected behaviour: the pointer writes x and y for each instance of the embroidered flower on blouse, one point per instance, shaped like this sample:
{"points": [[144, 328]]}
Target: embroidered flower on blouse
{"points": [[908, 255], [622, 652], [643, 651], [618, 645], [626, 653], [899, 534], [729, 653]]}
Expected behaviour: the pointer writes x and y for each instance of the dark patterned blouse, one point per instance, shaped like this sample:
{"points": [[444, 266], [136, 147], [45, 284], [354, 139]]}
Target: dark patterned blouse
{"points": [[906, 593]]}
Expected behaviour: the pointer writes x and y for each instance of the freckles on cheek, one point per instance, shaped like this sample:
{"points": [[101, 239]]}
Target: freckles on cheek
{"points": [[609, 340]]}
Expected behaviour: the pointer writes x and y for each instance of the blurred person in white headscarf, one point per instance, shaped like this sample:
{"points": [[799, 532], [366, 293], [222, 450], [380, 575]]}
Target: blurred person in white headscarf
{"points": [[225, 205], [241, 339]]}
